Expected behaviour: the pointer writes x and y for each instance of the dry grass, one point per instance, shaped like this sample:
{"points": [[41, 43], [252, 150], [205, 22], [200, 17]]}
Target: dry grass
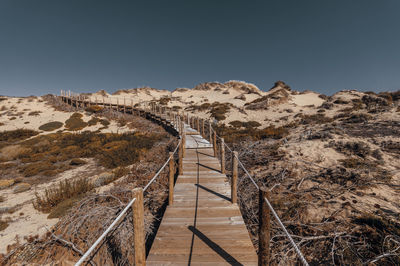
{"points": [[65, 190], [17, 135]]}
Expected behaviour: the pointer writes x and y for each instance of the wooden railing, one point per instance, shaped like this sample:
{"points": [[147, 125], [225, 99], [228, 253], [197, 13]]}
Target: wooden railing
{"points": [[177, 120]]}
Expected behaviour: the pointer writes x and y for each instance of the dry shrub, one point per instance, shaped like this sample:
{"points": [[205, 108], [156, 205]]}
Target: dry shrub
{"points": [[63, 207], [34, 113], [219, 110], [93, 121], [12, 151], [66, 189], [231, 134], [51, 126], [165, 100], [94, 109], [75, 122], [77, 161], [17, 134], [3, 225], [352, 148], [358, 118], [36, 168], [249, 124], [315, 119]]}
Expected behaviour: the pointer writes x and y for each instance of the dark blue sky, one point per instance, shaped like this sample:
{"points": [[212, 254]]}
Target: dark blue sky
{"points": [[87, 45]]}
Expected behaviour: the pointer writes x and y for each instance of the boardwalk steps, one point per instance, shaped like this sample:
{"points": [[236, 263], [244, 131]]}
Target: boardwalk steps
{"points": [[202, 226]]}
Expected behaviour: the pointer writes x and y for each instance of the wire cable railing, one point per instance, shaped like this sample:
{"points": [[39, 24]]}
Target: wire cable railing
{"points": [[178, 126], [294, 245]]}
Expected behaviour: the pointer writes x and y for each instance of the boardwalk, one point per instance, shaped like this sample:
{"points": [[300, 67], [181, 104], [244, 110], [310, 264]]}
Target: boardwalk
{"points": [[202, 227]]}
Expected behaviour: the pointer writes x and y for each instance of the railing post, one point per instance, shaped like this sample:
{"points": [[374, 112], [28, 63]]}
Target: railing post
{"points": [[198, 124], [264, 228], [124, 106], [180, 162], [234, 177], [215, 144], [210, 130], [183, 141], [222, 156], [138, 227], [171, 178], [202, 128]]}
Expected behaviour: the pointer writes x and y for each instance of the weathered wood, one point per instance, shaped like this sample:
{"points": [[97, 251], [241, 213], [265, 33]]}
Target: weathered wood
{"points": [[210, 130], [222, 149], [202, 227], [180, 162], [202, 128], [215, 143], [234, 177], [264, 228], [183, 143], [171, 178], [138, 227]]}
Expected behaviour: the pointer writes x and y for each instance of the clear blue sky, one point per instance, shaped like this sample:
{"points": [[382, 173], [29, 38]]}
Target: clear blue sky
{"points": [[87, 45]]}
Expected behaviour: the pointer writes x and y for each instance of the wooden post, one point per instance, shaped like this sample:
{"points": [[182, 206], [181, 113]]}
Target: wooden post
{"points": [[234, 177], [183, 143], [215, 144], [202, 128], [198, 124], [180, 163], [264, 228], [138, 227], [124, 106], [171, 178], [210, 130], [222, 156]]}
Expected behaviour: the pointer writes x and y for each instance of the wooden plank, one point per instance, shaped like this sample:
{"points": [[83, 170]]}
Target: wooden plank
{"points": [[202, 226]]}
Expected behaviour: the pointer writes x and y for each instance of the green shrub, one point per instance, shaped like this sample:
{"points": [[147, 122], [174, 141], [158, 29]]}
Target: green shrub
{"points": [[51, 126], [75, 122]]}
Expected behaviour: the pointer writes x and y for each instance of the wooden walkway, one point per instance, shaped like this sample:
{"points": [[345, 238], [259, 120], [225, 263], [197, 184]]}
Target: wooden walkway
{"points": [[202, 226]]}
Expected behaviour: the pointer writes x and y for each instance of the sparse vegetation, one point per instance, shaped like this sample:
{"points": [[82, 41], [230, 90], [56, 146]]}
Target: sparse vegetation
{"points": [[65, 190], [51, 126], [94, 109], [34, 113], [75, 122], [17, 135]]}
